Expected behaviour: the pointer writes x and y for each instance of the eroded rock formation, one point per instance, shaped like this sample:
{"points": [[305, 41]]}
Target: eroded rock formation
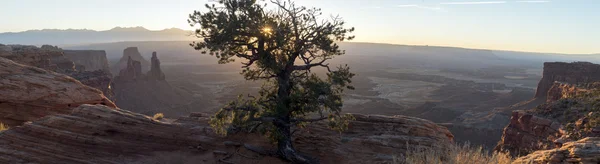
{"points": [[147, 93], [134, 54], [155, 73], [91, 60], [584, 151], [98, 134], [132, 72], [28, 93], [571, 73], [563, 90], [526, 133], [569, 114]]}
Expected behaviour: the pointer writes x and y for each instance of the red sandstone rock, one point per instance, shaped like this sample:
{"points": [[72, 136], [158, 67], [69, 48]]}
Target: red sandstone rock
{"points": [[526, 133], [584, 151], [563, 90], [571, 73], [98, 134], [28, 93]]}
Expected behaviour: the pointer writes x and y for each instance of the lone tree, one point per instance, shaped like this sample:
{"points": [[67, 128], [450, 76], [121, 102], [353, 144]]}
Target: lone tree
{"points": [[279, 43]]}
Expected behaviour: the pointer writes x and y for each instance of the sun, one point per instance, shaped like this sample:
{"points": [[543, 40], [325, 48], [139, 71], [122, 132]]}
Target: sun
{"points": [[267, 30]]}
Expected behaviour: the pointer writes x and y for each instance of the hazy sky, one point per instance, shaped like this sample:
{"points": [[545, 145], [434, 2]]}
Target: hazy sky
{"points": [[562, 26]]}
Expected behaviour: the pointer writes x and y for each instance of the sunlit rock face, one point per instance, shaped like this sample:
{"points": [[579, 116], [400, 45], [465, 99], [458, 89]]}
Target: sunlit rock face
{"points": [[567, 115], [571, 73], [527, 132], [28, 93], [584, 151]]}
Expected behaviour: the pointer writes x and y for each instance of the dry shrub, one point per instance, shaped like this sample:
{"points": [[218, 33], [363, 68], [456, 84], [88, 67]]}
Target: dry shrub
{"points": [[158, 116], [3, 127], [456, 154]]}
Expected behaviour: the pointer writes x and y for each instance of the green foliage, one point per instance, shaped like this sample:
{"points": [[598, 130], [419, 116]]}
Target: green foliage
{"points": [[279, 45]]}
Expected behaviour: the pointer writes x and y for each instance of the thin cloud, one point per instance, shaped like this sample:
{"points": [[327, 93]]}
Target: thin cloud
{"points": [[473, 3], [434, 8], [532, 1], [407, 5]]}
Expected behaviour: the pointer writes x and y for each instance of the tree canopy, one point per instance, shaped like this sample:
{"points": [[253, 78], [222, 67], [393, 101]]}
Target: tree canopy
{"points": [[279, 43]]}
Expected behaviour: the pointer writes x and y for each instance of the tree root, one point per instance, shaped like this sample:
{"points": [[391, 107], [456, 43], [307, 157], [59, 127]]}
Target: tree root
{"points": [[237, 151], [224, 159], [259, 150]]}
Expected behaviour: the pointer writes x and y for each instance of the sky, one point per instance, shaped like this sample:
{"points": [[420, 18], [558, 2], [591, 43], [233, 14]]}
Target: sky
{"points": [[557, 26]]}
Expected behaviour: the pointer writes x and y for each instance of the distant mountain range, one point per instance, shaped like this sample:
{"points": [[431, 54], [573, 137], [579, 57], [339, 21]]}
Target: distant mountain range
{"points": [[84, 36]]}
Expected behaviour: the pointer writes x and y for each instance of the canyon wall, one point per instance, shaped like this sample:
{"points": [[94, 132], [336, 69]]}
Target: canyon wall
{"points": [[52, 58], [91, 60], [571, 73], [46, 57], [567, 112]]}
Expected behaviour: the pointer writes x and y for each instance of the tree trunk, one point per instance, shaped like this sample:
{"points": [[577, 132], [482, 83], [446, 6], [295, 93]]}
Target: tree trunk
{"points": [[285, 147]]}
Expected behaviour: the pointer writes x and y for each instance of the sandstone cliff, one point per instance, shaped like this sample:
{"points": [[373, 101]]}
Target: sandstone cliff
{"points": [[98, 134], [28, 93], [571, 73], [46, 57], [92, 60], [526, 133], [54, 59], [569, 114], [584, 151]]}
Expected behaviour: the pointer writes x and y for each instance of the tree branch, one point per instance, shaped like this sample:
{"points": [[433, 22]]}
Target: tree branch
{"points": [[299, 120], [309, 66]]}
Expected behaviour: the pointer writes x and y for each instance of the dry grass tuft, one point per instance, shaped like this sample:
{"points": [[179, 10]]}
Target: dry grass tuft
{"points": [[456, 154], [158, 116], [3, 127]]}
